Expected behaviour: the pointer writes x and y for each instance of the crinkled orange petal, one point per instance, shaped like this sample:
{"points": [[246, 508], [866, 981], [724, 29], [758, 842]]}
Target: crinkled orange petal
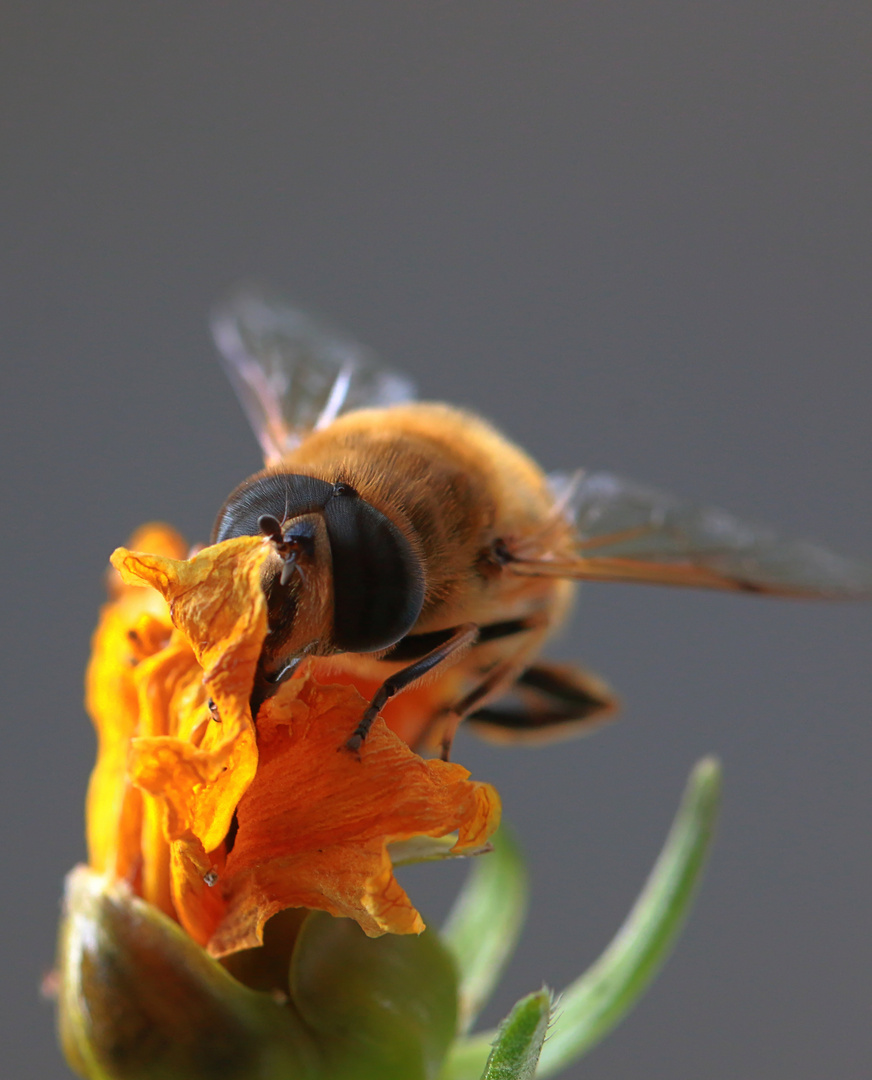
{"points": [[170, 686], [217, 603], [314, 820], [133, 626], [315, 823]]}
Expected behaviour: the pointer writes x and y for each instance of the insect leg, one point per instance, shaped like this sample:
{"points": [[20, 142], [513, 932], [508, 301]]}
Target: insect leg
{"points": [[549, 701], [464, 636], [496, 679]]}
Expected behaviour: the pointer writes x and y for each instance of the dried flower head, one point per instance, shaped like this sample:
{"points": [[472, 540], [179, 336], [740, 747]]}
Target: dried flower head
{"points": [[221, 823]]}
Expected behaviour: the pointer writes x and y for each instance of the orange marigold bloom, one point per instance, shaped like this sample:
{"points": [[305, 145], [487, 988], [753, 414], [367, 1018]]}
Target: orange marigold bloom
{"points": [[222, 824]]}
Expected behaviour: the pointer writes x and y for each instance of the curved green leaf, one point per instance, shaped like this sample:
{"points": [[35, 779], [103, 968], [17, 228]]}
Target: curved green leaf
{"points": [[484, 925], [591, 1006], [519, 1041]]}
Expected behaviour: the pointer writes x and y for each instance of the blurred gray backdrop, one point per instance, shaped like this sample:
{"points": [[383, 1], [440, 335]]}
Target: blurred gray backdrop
{"points": [[637, 237]]}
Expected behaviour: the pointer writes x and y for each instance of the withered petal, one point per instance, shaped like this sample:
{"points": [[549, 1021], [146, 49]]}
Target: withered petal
{"points": [[132, 627], [312, 820], [217, 604], [315, 823]]}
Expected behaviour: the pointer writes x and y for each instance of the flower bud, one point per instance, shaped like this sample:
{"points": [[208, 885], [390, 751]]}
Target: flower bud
{"points": [[139, 1000], [382, 1008]]}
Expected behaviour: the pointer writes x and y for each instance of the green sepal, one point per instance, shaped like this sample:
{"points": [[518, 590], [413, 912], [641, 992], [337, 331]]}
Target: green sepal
{"points": [[381, 1008], [519, 1040], [139, 1000], [484, 924], [591, 1006]]}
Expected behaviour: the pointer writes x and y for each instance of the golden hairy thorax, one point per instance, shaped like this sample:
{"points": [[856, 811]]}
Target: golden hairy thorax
{"points": [[458, 483]]}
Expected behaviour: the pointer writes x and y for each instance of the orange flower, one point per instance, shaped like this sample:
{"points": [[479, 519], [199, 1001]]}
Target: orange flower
{"points": [[221, 823]]}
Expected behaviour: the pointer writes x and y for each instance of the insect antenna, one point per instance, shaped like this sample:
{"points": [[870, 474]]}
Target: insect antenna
{"points": [[271, 527]]}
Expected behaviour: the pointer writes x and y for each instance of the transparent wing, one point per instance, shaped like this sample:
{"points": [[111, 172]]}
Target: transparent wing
{"points": [[292, 373], [626, 532]]}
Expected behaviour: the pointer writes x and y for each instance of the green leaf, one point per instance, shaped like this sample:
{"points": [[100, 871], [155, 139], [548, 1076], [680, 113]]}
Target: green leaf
{"points": [[594, 1003], [519, 1040], [484, 924], [140, 1000], [591, 1006], [380, 1008]]}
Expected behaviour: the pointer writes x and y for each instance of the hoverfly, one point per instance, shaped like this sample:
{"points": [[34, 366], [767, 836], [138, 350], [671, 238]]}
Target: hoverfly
{"points": [[412, 541]]}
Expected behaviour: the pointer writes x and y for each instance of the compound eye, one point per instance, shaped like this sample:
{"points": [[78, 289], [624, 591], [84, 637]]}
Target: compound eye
{"points": [[378, 583], [277, 496]]}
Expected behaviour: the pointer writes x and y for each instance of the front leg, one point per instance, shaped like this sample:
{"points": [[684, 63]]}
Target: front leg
{"points": [[463, 637]]}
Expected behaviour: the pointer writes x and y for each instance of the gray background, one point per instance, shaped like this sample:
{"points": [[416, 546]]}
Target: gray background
{"points": [[636, 236]]}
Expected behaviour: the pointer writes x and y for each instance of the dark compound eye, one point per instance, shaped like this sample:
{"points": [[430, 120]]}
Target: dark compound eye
{"points": [[272, 495], [378, 584]]}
